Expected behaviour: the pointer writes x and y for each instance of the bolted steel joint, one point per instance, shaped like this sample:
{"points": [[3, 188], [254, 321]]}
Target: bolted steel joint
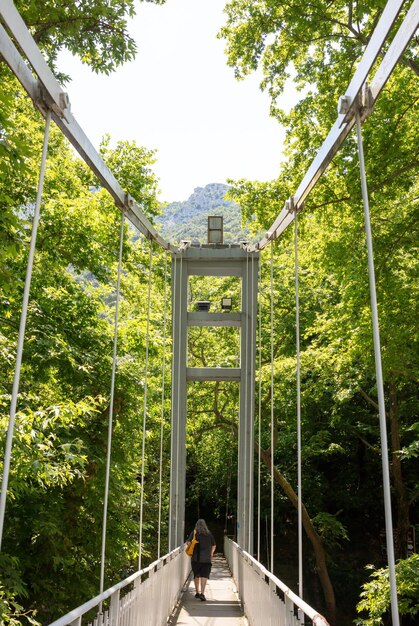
{"points": [[64, 101], [128, 201], [344, 105], [367, 100], [290, 205]]}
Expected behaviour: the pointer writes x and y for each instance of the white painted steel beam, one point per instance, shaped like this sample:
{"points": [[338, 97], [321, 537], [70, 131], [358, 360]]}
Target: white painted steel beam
{"points": [[202, 318], [345, 122], [210, 260], [370, 55], [405, 33], [206, 267], [13, 20], [245, 466], [179, 398], [213, 373], [47, 93], [18, 66]]}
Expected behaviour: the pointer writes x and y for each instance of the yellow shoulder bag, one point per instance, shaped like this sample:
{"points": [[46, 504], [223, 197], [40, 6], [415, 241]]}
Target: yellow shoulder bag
{"points": [[191, 547]]}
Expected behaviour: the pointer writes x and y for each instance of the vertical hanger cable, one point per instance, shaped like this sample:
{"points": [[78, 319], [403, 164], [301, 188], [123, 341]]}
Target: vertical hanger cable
{"points": [[244, 427], [379, 378], [252, 406], [259, 419], [298, 374], [22, 326], [147, 341], [272, 409], [178, 451], [111, 403], [162, 405], [173, 385]]}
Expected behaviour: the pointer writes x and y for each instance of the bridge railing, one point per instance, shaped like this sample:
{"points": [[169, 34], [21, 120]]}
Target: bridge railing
{"points": [[151, 597], [266, 600]]}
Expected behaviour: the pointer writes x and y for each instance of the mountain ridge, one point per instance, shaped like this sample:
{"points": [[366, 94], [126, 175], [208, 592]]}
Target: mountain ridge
{"points": [[187, 219]]}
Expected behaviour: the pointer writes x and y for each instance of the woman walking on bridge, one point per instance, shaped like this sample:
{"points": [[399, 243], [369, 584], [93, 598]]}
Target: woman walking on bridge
{"points": [[202, 557]]}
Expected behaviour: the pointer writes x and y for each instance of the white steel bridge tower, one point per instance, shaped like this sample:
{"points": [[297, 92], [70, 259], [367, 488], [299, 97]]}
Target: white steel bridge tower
{"points": [[214, 260]]}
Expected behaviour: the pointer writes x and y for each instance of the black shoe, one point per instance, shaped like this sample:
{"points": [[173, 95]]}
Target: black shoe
{"points": [[197, 595], [203, 598]]}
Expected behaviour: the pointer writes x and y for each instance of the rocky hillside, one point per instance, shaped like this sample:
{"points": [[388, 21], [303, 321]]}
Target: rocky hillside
{"points": [[188, 219]]}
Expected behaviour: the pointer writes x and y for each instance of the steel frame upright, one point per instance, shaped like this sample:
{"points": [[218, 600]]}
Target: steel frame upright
{"points": [[178, 414], [220, 260]]}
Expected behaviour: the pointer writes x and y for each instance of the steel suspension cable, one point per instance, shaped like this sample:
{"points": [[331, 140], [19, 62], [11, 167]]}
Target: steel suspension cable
{"points": [[379, 378], [249, 352], [297, 342], [173, 385], [230, 465], [243, 436], [259, 420], [162, 404], [252, 402], [272, 408], [22, 326], [140, 547], [178, 396], [111, 402]]}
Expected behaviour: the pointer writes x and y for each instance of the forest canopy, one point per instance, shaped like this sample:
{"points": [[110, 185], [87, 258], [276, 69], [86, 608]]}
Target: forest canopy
{"points": [[55, 500]]}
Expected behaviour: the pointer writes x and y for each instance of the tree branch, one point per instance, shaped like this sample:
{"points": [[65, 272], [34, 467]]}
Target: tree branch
{"points": [[368, 399]]}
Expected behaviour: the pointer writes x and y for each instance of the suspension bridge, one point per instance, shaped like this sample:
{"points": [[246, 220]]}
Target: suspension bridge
{"points": [[241, 588]]}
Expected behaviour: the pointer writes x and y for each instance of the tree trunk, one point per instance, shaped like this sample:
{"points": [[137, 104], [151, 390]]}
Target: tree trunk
{"points": [[396, 470], [320, 556]]}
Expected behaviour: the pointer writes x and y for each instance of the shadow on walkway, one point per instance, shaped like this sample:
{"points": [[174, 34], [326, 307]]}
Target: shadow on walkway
{"points": [[222, 607]]}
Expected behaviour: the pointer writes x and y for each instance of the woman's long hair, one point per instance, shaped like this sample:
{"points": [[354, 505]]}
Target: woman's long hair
{"points": [[201, 527]]}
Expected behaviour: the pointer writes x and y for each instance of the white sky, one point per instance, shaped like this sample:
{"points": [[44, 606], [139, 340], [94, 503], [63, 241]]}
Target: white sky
{"points": [[179, 97]]}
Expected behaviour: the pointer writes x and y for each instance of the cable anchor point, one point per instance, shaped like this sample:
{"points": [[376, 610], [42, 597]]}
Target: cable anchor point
{"points": [[366, 100], [128, 201], [363, 103], [60, 106], [290, 206]]}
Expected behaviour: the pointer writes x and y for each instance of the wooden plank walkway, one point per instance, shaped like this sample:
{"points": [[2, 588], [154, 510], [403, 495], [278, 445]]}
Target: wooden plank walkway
{"points": [[222, 607]]}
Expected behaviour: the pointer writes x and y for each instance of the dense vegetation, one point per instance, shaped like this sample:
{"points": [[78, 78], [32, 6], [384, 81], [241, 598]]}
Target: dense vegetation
{"points": [[54, 508], [320, 44]]}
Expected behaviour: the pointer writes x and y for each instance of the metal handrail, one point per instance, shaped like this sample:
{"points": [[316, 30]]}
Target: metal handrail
{"points": [[74, 616], [291, 604]]}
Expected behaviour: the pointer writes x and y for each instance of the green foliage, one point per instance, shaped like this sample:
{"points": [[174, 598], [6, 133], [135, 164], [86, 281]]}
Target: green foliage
{"points": [[317, 43], [131, 166], [96, 31], [12, 613], [48, 454], [318, 46], [412, 449], [55, 502], [55, 505], [17, 148], [376, 592], [330, 529]]}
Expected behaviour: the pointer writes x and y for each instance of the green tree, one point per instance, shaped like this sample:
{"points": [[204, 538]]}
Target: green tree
{"points": [[55, 504], [97, 32], [318, 45], [54, 509], [375, 598]]}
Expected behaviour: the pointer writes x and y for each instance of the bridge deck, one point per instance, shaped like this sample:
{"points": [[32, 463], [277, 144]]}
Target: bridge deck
{"points": [[222, 607]]}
